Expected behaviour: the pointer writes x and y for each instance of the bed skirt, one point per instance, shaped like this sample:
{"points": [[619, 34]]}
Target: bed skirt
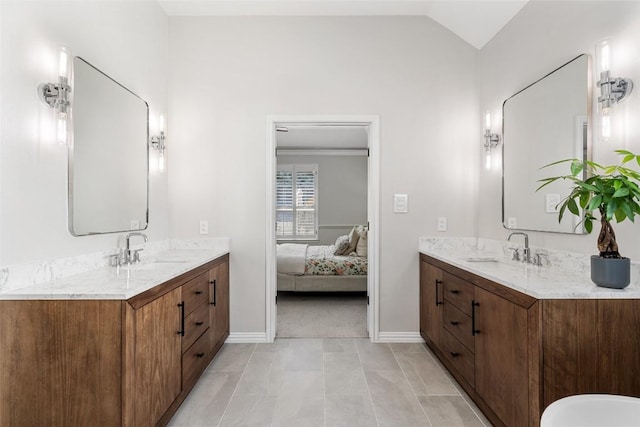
{"points": [[321, 283]]}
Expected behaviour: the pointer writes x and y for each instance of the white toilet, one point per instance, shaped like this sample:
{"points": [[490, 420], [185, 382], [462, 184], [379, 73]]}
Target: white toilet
{"points": [[593, 410]]}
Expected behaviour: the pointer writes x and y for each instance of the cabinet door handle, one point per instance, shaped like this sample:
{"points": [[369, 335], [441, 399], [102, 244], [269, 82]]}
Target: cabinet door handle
{"points": [[181, 331], [199, 292], [213, 282], [438, 283], [199, 323], [474, 304], [454, 354], [200, 355], [455, 291], [454, 322]]}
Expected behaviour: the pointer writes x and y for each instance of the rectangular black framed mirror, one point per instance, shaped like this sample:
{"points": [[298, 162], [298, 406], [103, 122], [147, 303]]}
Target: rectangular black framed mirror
{"points": [[547, 121], [108, 155]]}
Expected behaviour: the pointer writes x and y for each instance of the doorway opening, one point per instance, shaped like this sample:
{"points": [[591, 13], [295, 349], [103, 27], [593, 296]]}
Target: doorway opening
{"points": [[299, 149]]}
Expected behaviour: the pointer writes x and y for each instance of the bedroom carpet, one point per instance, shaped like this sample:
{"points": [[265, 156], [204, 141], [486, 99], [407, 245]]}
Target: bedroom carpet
{"points": [[319, 315]]}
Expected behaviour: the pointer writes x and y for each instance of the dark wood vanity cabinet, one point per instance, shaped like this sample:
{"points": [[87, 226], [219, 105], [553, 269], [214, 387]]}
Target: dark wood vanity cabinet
{"points": [[157, 353], [219, 302], [431, 302], [483, 339], [109, 363], [515, 354], [501, 356]]}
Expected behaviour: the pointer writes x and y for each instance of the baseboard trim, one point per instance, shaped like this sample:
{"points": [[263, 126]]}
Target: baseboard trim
{"points": [[261, 337], [246, 337], [400, 337]]}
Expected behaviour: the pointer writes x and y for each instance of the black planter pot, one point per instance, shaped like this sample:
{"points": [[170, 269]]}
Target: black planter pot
{"points": [[611, 272]]}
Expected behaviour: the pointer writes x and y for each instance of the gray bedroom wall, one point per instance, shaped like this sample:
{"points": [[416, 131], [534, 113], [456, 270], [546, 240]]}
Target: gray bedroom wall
{"points": [[342, 193]]}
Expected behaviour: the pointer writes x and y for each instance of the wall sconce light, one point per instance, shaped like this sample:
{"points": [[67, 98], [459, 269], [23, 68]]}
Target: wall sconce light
{"points": [[612, 89], [158, 143], [56, 95], [491, 140]]}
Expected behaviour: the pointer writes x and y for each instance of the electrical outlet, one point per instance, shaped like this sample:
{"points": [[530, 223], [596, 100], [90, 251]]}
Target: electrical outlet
{"points": [[204, 227], [400, 203], [442, 223]]}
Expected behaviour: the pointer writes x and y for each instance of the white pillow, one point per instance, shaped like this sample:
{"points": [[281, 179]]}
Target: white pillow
{"points": [[342, 243], [361, 246], [353, 241]]}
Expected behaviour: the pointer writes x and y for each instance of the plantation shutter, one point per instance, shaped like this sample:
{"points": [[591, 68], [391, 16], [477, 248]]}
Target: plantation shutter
{"points": [[296, 202]]}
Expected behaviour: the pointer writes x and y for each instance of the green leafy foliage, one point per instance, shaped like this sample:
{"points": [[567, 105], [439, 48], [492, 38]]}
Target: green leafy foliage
{"points": [[611, 190]]}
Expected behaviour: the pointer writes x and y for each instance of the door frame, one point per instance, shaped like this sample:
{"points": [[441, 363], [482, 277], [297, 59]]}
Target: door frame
{"points": [[373, 213]]}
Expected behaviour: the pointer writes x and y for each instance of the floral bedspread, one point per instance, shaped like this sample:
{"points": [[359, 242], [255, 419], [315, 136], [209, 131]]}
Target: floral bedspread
{"points": [[321, 261]]}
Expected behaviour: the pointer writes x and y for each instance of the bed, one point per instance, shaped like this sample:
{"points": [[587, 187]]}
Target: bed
{"points": [[304, 268]]}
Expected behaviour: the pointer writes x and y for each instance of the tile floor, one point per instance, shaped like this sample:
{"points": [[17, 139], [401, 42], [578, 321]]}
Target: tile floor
{"points": [[326, 382]]}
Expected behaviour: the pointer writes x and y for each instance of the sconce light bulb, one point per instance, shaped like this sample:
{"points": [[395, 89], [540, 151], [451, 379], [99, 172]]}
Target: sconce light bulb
{"points": [[161, 123], [487, 159], [64, 63], [161, 162], [606, 124], [604, 55], [487, 121], [61, 128]]}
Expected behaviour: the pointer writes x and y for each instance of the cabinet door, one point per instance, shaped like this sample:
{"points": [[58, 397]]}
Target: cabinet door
{"points": [[501, 357], [219, 304], [431, 303], [158, 352]]}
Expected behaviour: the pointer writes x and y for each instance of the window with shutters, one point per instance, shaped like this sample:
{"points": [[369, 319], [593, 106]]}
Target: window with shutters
{"points": [[297, 202]]}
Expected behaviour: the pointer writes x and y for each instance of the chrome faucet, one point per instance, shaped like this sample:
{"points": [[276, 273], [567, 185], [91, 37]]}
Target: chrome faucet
{"points": [[526, 252], [129, 255]]}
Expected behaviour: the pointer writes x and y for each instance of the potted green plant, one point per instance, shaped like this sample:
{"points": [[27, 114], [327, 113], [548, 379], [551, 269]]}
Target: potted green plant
{"points": [[614, 193]]}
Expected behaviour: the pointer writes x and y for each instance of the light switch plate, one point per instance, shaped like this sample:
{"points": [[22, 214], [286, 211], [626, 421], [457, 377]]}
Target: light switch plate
{"points": [[552, 201], [400, 203]]}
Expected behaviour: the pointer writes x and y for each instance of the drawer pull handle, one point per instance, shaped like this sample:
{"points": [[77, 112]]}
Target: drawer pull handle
{"points": [[454, 354], [474, 331], [455, 291], [200, 355], [199, 323], [454, 322], [199, 292], [213, 283], [438, 283], [181, 331]]}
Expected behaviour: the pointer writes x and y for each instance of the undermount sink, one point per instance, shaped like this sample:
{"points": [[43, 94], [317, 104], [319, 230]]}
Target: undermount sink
{"points": [[167, 261], [151, 264], [592, 410], [481, 259]]}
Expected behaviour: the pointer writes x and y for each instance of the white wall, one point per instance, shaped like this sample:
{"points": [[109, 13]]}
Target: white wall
{"points": [[541, 37], [342, 192], [227, 74], [128, 41]]}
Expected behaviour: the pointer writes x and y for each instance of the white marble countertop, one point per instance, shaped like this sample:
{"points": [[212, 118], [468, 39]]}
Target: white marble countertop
{"points": [[119, 283], [553, 280]]}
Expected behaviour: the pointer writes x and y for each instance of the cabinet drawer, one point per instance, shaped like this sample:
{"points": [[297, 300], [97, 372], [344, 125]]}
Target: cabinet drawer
{"points": [[194, 325], [458, 292], [195, 359], [195, 293], [461, 358], [459, 325]]}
